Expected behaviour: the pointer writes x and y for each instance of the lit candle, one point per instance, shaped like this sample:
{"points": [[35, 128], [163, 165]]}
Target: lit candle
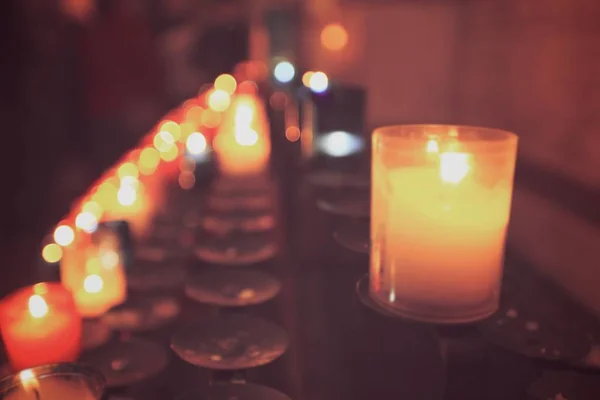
{"points": [[94, 273], [49, 388], [242, 144], [440, 210], [40, 325]]}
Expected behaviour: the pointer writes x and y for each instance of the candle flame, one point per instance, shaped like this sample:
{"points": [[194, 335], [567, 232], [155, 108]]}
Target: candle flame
{"points": [[93, 283], [28, 379], [37, 306], [454, 167], [432, 146], [244, 114]]}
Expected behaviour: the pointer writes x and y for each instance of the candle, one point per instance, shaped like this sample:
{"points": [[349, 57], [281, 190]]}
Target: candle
{"points": [[440, 210], [242, 144], [51, 386], [93, 271], [40, 325]]}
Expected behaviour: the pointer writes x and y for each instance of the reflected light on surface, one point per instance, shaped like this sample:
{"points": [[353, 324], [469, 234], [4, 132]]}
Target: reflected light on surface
{"points": [[149, 160], [126, 195], [454, 167], [64, 235], [196, 143], [318, 82], [226, 83], [173, 128], [211, 118], [246, 137], [93, 283], [127, 169], [37, 306], [292, 133], [219, 100], [340, 144], [86, 222], [334, 37], [284, 71], [52, 253]]}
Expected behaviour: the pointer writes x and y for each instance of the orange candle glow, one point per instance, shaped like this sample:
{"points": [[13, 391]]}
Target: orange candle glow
{"points": [[243, 144], [40, 325]]}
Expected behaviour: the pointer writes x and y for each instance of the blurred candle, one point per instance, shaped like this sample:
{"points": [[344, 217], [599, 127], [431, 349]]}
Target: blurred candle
{"points": [[243, 144], [439, 217], [48, 388], [40, 325]]}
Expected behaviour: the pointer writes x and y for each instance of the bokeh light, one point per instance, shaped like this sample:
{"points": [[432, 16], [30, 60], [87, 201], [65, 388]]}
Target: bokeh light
{"points": [[52, 253], [93, 208], [306, 78], [226, 83], [196, 143], [170, 154], [173, 128], [194, 115], [219, 100], [334, 37], [284, 71], [86, 222], [163, 141], [64, 235], [292, 133], [278, 100], [149, 160], [127, 169], [126, 195], [246, 136], [247, 87], [318, 82], [186, 180], [93, 283], [211, 118], [340, 144]]}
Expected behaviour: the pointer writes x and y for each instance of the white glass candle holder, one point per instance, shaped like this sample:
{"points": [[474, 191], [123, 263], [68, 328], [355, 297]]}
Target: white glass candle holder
{"points": [[440, 206]]}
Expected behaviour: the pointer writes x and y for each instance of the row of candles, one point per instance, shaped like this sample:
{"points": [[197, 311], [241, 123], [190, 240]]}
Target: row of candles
{"points": [[42, 324]]}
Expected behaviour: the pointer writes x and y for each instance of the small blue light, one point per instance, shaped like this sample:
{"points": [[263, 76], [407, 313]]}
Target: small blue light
{"points": [[284, 71], [340, 144]]}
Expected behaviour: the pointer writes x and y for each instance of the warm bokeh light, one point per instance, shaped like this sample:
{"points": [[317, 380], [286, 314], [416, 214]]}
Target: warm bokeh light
{"points": [[106, 193], [187, 164], [109, 259], [93, 208], [247, 87], [318, 82], [292, 133], [284, 71], [127, 169], [37, 306], [86, 222], [194, 115], [306, 78], [64, 235], [173, 128], [170, 154], [163, 141], [52, 253], [149, 160], [187, 128], [219, 100], [244, 114], [93, 283], [211, 118], [196, 143], [246, 136], [340, 144], [454, 167], [334, 37], [226, 83], [126, 195], [187, 180]]}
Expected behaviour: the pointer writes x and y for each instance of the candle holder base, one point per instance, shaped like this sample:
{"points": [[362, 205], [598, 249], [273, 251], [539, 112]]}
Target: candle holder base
{"points": [[128, 362], [237, 250], [338, 179], [143, 314], [238, 221], [232, 288], [246, 391], [95, 333], [354, 236], [363, 291], [231, 203], [230, 342], [150, 276]]}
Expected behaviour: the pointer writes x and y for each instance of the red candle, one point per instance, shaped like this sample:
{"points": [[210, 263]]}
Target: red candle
{"points": [[40, 325]]}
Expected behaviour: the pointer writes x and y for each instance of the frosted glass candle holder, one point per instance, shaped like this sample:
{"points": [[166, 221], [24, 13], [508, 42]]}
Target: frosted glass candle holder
{"points": [[440, 205]]}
